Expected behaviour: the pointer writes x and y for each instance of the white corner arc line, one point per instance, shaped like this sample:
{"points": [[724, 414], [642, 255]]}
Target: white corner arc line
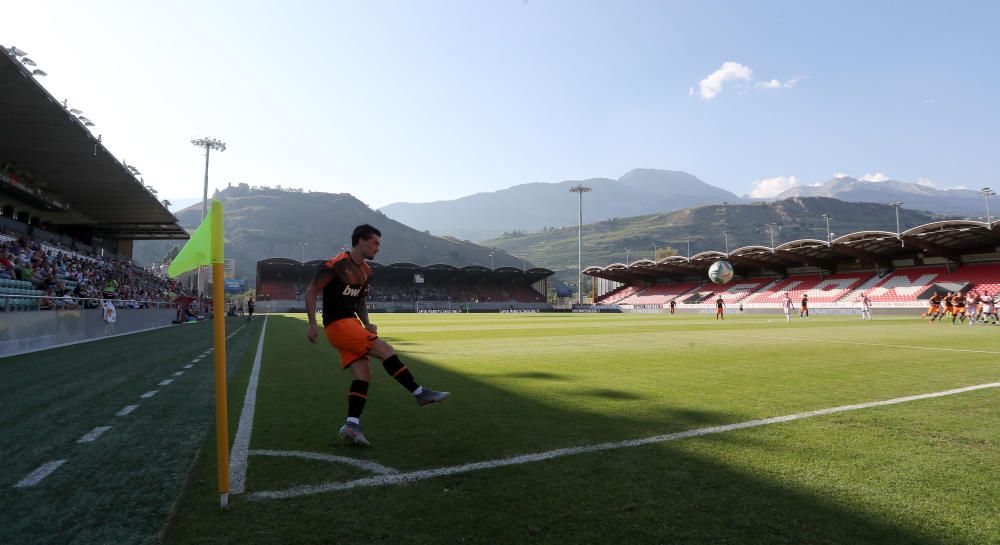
{"points": [[397, 478], [149, 394], [241, 444], [363, 464], [93, 434], [37, 475], [126, 410]]}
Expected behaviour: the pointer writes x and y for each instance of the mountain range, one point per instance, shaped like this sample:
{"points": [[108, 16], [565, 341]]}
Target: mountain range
{"points": [[539, 206], [619, 239], [534, 206], [959, 202], [262, 223]]}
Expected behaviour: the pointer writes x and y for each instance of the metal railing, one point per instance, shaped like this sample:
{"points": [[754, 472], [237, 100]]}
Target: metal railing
{"points": [[14, 302]]}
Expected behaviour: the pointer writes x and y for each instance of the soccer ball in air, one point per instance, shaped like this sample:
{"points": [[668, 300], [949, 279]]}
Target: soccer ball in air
{"points": [[720, 272]]}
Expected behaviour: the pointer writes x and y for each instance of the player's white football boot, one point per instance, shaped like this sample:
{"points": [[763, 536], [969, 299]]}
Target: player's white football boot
{"points": [[428, 396], [352, 432]]}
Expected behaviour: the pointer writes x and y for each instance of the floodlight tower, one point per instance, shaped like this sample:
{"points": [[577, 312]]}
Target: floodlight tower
{"points": [[828, 217], [209, 144], [986, 193], [896, 205], [581, 189], [771, 227]]}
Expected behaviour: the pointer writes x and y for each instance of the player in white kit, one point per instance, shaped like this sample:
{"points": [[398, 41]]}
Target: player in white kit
{"points": [[866, 307], [787, 305]]}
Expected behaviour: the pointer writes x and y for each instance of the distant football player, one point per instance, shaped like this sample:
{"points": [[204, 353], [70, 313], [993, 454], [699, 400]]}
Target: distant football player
{"points": [[934, 308], [804, 311], [787, 305], [958, 306], [344, 280], [866, 307], [720, 309]]}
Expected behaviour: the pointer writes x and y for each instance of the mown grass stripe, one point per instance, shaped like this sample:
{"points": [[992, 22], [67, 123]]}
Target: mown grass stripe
{"points": [[879, 345], [37, 475], [412, 476]]}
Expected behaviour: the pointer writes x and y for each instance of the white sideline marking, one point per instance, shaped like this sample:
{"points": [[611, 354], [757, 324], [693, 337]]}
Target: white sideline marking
{"points": [[149, 394], [363, 464], [178, 373], [93, 434], [196, 360], [241, 444], [37, 475], [166, 382], [412, 476], [188, 366], [126, 409], [230, 335], [868, 344]]}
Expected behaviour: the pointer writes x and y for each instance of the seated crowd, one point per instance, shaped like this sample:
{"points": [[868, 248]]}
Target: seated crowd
{"points": [[64, 279]]}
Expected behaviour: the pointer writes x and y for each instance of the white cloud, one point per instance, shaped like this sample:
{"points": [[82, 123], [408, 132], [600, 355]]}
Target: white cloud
{"points": [[770, 187], [691, 91], [877, 177], [711, 86], [773, 84], [840, 175], [791, 83], [925, 182]]}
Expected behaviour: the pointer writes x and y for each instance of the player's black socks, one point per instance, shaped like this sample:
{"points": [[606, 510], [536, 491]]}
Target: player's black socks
{"points": [[356, 398], [398, 371]]}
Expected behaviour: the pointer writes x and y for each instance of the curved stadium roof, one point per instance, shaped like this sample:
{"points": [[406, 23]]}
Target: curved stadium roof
{"points": [[85, 185], [948, 239]]}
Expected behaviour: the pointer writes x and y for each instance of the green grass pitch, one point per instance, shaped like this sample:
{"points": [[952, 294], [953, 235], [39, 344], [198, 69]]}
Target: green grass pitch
{"points": [[924, 471]]}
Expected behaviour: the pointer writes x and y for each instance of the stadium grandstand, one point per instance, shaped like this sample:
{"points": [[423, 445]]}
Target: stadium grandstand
{"points": [[69, 213], [406, 287], [895, 270]]}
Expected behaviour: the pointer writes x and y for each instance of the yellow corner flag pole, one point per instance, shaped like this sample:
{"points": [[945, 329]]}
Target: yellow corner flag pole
{"points": [[205, 248], [219, 324]]}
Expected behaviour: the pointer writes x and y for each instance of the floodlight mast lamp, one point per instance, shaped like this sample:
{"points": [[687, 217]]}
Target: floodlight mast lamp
{"points": [[829, 240], [209, 144], [899, 236], [581, 189], [986, 193]]}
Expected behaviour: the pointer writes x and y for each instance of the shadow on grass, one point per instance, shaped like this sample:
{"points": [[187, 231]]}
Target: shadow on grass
{"points": [[539, 375], [611, 394], [652, 494]]}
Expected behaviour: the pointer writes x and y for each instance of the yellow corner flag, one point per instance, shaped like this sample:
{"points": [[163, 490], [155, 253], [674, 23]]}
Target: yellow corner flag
{"points": [[205, 248], [200, 250]]}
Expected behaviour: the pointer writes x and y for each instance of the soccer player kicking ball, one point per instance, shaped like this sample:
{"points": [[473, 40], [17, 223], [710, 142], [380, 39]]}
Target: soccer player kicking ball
{"points": [[344, 283]]}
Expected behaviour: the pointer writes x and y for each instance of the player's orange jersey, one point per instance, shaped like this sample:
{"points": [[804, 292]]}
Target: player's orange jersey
{"points": [[347, 286]]}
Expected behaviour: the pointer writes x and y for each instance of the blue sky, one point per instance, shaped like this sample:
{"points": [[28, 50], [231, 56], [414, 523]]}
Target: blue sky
{"points": [[426, 100]]}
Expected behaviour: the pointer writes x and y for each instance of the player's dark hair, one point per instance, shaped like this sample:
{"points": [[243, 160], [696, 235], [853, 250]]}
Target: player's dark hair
{"points": [[363, 232]]}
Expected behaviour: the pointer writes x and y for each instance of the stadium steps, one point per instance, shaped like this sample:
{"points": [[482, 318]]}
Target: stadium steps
{"points": [[856, 292]]}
